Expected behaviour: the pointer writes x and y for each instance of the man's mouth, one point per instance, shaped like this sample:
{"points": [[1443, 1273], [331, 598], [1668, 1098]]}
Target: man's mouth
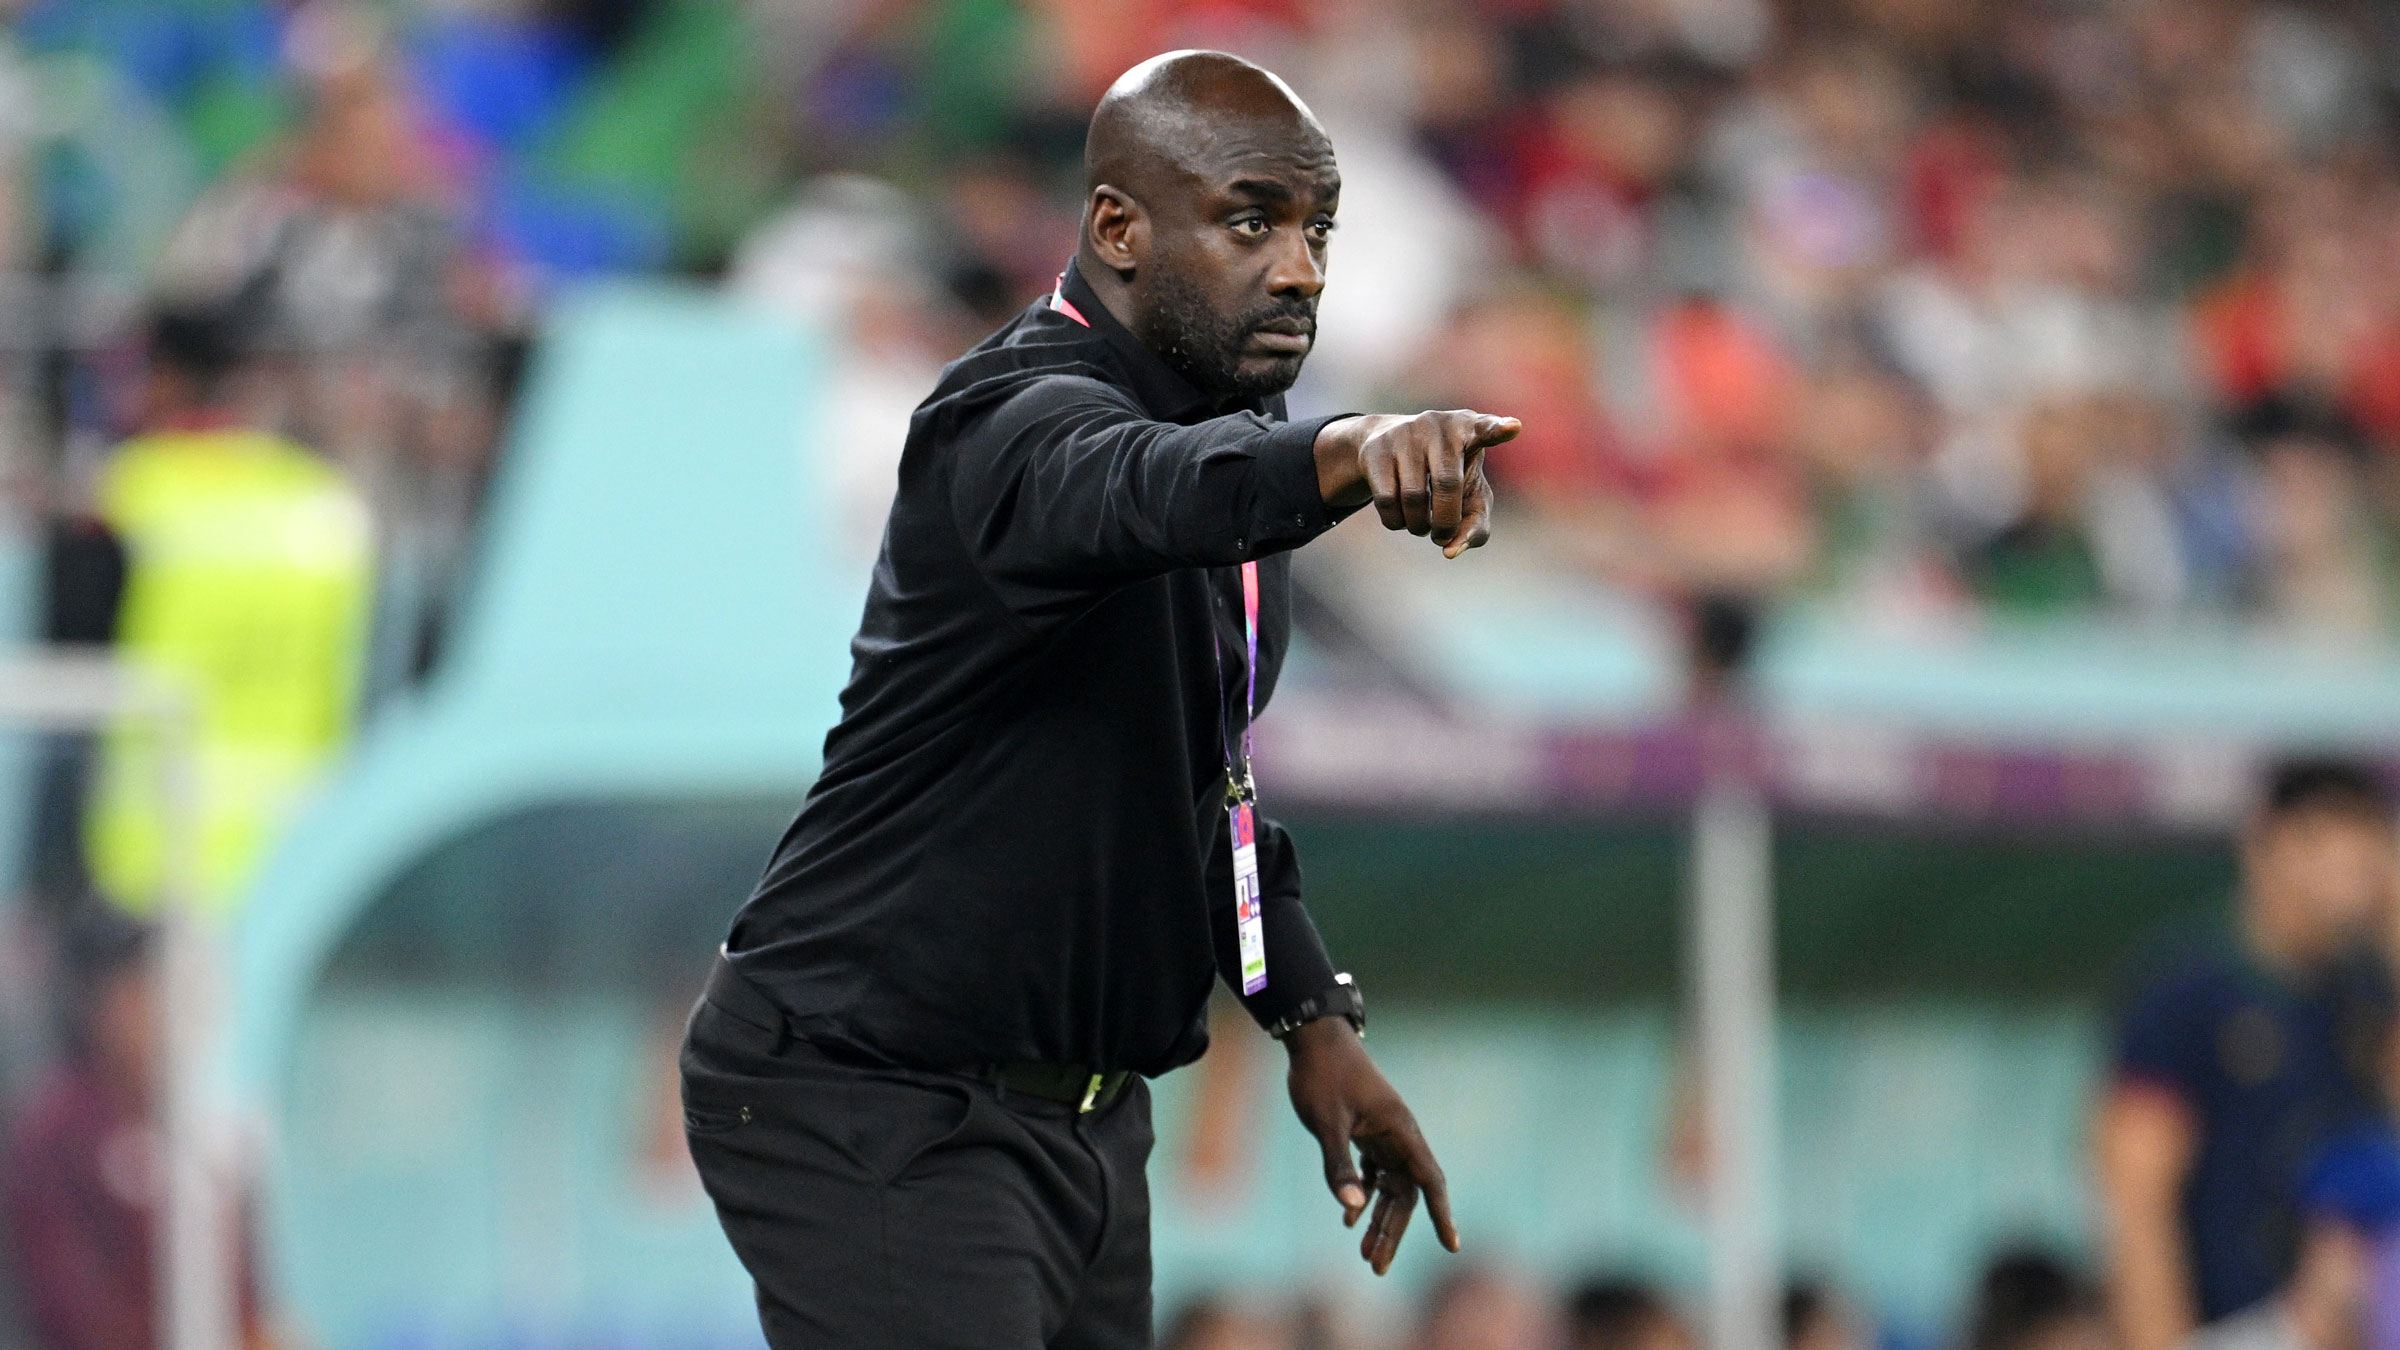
{"points": [[1283, 339]]}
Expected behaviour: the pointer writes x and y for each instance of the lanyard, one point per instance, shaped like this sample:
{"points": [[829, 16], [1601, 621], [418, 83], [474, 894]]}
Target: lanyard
{"points": [[1239, 785], [1241, 794]]}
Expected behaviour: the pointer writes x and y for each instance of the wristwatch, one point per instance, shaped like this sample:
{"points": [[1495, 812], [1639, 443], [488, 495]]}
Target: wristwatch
{"points": [[1342, 1000]]}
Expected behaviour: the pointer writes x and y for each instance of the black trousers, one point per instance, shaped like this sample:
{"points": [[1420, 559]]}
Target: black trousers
{"points": [[891, 1208]]}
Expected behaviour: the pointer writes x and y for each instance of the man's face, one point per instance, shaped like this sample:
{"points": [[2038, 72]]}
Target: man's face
{"points": [[1228, 291], [2323, 875]]}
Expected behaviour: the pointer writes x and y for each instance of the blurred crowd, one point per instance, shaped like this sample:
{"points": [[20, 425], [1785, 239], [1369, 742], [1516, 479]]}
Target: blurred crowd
{"points": [[1915, 309], [2025, 1299]]}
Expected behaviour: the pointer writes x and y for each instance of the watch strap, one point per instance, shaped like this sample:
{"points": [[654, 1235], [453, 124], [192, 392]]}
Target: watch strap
{"points": [[1342, 999]]}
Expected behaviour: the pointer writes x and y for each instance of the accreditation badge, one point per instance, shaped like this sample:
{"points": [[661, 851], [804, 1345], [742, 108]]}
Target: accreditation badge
{"points": [[1249, 921]]}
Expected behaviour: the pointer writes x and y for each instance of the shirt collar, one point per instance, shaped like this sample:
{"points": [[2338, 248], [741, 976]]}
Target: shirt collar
{"points": [[1161, 389]]}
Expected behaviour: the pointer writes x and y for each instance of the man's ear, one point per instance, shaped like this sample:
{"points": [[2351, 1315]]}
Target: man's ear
{"points": [[1119, 229]]}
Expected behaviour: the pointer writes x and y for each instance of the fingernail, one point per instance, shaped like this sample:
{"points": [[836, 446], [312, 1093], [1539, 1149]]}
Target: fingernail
{"points": [[1353, 1198]]}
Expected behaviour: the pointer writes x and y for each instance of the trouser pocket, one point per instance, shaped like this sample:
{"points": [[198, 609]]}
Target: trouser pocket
{"points": [[899, 1122]]}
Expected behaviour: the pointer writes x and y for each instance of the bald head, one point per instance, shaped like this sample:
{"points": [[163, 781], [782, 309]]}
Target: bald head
{"points": [[1212, 191], [1171, 111]]}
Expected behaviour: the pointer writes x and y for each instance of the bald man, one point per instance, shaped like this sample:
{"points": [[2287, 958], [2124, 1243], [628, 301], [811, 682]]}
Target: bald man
{"points": [[915, 1088]]}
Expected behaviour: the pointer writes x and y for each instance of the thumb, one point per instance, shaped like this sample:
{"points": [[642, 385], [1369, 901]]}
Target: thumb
{"points": [[1341, 1175]]}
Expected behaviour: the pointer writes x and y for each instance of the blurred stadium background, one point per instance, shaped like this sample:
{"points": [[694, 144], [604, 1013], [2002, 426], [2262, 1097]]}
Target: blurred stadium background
{"points": [[1974, 426]]}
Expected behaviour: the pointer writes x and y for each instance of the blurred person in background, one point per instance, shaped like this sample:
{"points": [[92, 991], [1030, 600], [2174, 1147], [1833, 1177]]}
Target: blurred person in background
{"points": [[340, 259], [2320, 560], [846, 257], [1728, 511], [2045, 560], [2030, 334], [2312, 314], [247, 584], [1861, 432], [1817, 1317], [1484, 1308], [2030, 1300], [1625, 1313], [2350, 1201], [2244, 1055], [1215, 1323], [1811, 161], [340, 251], [81, 1176]]}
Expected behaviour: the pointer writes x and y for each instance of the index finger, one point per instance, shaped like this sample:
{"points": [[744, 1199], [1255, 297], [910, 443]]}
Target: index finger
{"points": [[1428, 1175], [1491, 430]]}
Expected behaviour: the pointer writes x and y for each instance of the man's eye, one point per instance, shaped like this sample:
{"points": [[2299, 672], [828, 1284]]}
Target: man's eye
{"points": [[1251, 227], [1320, 230]]}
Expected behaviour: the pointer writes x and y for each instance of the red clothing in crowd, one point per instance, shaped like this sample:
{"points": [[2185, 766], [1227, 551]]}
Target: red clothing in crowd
{"points": [[2246, 346], [80, 1182]]}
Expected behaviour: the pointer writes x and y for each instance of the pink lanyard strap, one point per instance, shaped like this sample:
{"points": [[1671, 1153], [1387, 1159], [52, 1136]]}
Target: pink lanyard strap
{"points": [[1239, 786], [1250, 690], [1060, 302]]}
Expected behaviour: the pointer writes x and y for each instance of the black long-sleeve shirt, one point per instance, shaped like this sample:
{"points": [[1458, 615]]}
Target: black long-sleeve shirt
{"points": [[1017, 848]]}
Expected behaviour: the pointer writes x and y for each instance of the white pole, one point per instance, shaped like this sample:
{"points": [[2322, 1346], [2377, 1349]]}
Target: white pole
{"points": [[195, 1274], [1732, 955], [61, 690]]}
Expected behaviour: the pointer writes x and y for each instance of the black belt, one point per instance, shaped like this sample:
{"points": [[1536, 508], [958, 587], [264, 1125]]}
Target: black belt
{"points": [[1073, 1085]]}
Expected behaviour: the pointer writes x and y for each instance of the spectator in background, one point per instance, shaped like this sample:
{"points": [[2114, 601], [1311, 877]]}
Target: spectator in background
{"points": [[2351, 1200], [1817, 1318], [1213, 1323], [1625, 1313], [1861, 433], [340, 260], [2313, 313], [247, 582], [846, 259], [2030, 1300], [2244, 1056], [1483, 1309], [341, 251], [2045, 560], [1728, 510], [1812, 163], [2318, 561], [80, 1177]]}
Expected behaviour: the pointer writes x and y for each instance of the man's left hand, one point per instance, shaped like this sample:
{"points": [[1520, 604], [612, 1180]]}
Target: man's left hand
{"points": [[1345, 1102]]}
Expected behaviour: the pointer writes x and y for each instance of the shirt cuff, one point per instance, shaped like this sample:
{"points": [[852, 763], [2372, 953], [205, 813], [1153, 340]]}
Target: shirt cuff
{"points": [[1298, 968], [1288, 505]]}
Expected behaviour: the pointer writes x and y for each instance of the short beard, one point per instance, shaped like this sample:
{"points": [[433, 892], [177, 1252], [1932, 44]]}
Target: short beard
{"points": [[1205, 346]]}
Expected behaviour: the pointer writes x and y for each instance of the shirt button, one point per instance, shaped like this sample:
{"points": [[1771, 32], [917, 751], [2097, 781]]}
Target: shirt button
{"points": [[1240, 544]]}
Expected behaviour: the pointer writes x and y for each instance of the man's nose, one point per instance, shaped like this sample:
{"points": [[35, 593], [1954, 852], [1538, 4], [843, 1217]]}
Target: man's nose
{"points": [[1295, 270]]}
